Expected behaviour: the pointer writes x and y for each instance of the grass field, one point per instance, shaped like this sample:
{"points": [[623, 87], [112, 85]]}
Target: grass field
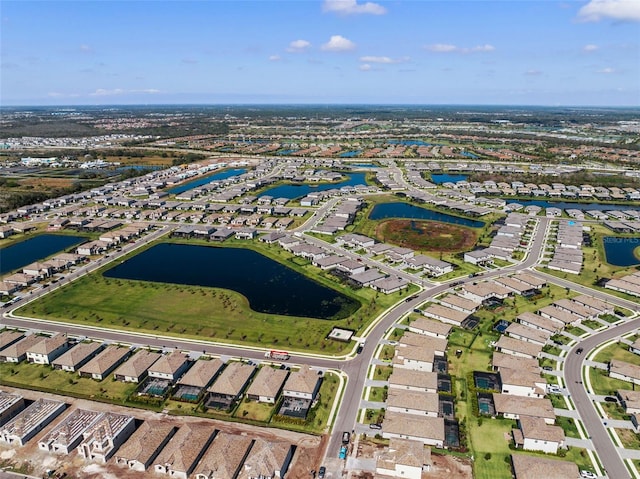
{"points": [[604, 385], [615, 351], [205, 313]]}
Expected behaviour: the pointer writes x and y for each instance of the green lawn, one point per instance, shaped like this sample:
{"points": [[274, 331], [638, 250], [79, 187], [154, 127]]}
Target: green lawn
{"points": [[493, 437], [382, 373], [254, 410], [614, 410], [377, 394], [604, 385], [568, 426], [44, 378], [616, 351], [205, 313], [629, 439]]}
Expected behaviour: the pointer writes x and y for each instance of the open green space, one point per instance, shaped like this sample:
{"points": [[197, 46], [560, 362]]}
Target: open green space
{"points": [[426, 235], [617, 351], [602, 384], [206, 313]]}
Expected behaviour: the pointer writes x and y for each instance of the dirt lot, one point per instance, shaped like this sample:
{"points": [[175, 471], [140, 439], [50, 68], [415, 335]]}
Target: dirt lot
{"points": [[30, 460], [426, 235]]}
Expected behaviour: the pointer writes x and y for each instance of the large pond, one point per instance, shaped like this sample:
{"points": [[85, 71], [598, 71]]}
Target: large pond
{"points": [[446, 178], [223, 175], [269, 286], [300, 191], [404, 210], [567, 205], [620, 251], [39, 247]]}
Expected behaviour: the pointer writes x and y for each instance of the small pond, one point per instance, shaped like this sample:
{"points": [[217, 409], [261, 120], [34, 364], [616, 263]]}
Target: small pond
{"points": [[203, 180], [33, 249], [300, 191], [404, 210], [620, 251]]}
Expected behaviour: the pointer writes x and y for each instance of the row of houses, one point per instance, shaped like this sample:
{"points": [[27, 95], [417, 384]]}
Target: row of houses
{"points": [[403, 257], [567, 254], [629, 284], [39, 271], [508, 238], [196, 450]]}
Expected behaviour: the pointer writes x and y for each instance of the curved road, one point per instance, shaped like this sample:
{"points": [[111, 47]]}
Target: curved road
{"points": [[609, 457]]}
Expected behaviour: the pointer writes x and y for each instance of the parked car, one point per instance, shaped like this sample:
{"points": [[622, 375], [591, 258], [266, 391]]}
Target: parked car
{"points": [[322, 472], [587, 474], [547, 368], [343, 452], [611, 399], [373, 425], [579, 350], [345, 437]]}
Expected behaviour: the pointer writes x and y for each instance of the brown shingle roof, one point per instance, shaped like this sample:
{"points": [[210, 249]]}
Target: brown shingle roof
{"points": [[184, 448], [531, 467], [202, 373], [232, 379], [267, 382], [225, 456], [143, 443]]}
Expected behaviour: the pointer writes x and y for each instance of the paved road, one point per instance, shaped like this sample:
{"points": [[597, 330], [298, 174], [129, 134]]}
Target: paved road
{"points": [[607, 451]]}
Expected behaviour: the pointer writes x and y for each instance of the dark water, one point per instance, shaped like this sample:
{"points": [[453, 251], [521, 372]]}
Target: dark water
{"points": [[446, 178], [619, 251], [405, 210], [223, 175], [269, 286], [37, 248], [574, 205], [299, 191]]}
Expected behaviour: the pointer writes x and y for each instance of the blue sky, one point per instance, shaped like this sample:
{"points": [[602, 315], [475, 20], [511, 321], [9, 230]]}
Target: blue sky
{"points": [[321, 51]]}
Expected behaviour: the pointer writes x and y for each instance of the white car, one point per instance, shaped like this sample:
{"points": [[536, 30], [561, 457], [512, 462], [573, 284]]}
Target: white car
{"points": [[587, 474]]}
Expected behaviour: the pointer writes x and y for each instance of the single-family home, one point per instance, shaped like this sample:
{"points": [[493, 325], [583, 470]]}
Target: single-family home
{"points": [[425, 429], [267, 460], [45, 351], [179, 457], [170, 366], [104, 363], [404, 458], [77, 356], [144, 445], [105, 436], [535, 467], [67, 435], [135, 369], [224, 457]]}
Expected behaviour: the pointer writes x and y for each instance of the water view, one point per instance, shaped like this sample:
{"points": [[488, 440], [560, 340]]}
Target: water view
{"points": [[447, 178], [300, 191], [223, 175], [620, 251], [269, 286], [575, 205], [37, 248], [405, 210]]}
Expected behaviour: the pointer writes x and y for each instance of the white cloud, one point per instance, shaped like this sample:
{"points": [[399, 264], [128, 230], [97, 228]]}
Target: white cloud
{"points": [[298, 46], [365, 67], [441, 48], [338, 43], [606, 71], [596, 10], [121, 91], [385, 60], [533, 73], [590, 48], [85, 48], [190, 61], [448, 48], [352, 7], [275, 58]]}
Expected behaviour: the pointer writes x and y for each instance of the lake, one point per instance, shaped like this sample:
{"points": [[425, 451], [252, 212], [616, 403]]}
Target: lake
{"points": [[269, 286], [404, 210], [619, 251], [574, 205], [36, 248], [300, 191], [446, 178], [203, 180]]}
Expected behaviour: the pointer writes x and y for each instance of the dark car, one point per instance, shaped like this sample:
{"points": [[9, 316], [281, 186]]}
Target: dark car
{"points": [[579, 350], [611, 399], [322, 472]]}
